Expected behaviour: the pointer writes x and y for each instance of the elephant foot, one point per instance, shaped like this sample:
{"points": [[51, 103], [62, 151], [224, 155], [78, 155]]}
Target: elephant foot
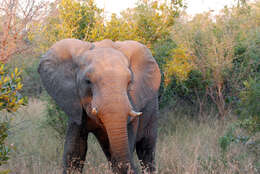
{"points": [[74, 166], [124, 168], [148, 168]]}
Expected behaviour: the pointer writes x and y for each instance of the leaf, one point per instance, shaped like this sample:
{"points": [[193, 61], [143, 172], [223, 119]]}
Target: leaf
{"points": [[21, 101], [6, 79], [19, 86]]}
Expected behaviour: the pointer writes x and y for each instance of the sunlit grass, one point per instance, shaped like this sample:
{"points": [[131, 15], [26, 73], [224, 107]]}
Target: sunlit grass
{"points": [[185, 146]]}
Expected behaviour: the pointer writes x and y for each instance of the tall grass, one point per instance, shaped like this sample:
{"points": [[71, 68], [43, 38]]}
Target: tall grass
{"points": [[185, 146]]}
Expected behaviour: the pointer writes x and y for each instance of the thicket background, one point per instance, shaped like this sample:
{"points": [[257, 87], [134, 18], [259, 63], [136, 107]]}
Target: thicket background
{"points": [[209, 95]]}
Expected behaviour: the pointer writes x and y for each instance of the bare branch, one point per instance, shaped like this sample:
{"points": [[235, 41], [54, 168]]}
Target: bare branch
{"points": [[15, 18]]}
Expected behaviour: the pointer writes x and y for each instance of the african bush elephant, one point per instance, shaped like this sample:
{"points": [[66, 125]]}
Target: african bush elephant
{"points": [[109, 89]]}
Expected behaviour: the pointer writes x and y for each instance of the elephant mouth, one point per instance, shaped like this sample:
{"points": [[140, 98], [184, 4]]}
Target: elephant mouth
{"points": [[92, 113], [88, 110]]}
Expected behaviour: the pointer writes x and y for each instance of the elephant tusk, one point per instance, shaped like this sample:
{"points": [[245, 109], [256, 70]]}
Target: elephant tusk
{"points": [[135, 114], [94, 111]]}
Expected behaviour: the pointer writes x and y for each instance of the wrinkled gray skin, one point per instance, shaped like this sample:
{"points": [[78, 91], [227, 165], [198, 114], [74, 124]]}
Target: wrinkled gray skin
{"points": [[99, 86]]}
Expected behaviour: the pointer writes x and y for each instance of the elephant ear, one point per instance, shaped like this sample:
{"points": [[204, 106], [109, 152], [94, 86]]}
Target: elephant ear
{"points": [[57, 70], [146, 73]]}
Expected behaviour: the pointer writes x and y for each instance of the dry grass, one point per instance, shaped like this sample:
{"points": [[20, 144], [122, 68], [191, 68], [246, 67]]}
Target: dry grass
{"points": [[184, 146]]}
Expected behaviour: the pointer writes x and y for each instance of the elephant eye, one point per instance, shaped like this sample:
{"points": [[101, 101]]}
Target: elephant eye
{"points": [[88, 81]]}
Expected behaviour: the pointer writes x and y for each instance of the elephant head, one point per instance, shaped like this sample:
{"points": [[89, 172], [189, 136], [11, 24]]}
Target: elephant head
{"points": [[110, 81]]}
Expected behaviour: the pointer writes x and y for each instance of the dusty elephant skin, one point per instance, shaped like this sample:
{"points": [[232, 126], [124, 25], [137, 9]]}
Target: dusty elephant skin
{"points": [[109, 89]]}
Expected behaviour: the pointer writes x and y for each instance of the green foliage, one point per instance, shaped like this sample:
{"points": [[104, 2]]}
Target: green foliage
{"points": [[4, 150], [31, 80], [249, 122], [10, 100], [235, 136], [250, 106], [193, 87], [162, 51], [251, 125], [77, 18], [246, 60], [10, 85], [225, 52], [149, 22], [55, 118], [227, 139], [116, 29], [153, 20], [68, 19], [191, 90], [249, 116], [179, 66], [32, 87]]}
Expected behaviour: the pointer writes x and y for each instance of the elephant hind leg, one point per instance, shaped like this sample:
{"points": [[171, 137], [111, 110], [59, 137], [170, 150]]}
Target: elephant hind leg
{"points": [[75, 149], [145, 150]]}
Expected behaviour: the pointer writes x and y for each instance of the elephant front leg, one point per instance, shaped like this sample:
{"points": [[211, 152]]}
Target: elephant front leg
{"points": [[75, 149], [102, 138], [145, 149]]}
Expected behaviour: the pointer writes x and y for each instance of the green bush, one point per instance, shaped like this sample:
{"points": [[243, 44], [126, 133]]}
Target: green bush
{"points": [[55, 118], [10, 101], [192, 91], [4, 150], [249, 107], [244, 131], [31, 79], [162, 53], [245, 63], [28, 62]]}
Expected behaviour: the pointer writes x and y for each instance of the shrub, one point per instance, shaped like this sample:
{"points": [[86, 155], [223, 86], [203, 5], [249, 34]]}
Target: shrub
{"points": [[10, 100], [249, 107], [225, 52], [31, 79], [10, 85], [29, 63], [192, 91], [244, 131], [179, 65], [55, 118], [67, 19]]}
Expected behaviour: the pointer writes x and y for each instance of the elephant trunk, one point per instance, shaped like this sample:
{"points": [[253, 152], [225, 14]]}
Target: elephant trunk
{"points": [[118, 139], [113, 113], [117, 133]]}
